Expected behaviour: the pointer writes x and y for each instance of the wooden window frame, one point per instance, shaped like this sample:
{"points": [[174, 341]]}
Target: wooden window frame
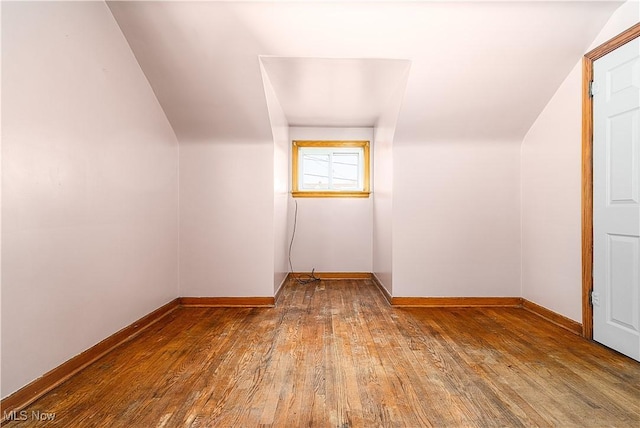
{"points": [[297, 193], [587, 170]]}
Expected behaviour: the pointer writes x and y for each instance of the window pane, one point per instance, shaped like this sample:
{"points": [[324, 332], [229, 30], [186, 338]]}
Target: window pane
{"points": [[325, 167], [315, 169], [346, 170]]}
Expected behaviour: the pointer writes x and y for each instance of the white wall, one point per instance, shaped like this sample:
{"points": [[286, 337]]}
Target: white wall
{"points": [[332, 234], [89, 197], [382, 232], [551, 180], [456, 218], [281, 143], [280, 205], [382, 242], [1, 395], [226, 218]]}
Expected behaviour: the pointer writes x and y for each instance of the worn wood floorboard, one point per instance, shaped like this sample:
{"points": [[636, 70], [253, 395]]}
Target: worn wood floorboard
{"points": [[335, 354]]}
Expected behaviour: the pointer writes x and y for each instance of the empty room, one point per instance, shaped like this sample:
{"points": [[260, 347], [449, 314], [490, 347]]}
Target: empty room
{"points": [[320, 213]]}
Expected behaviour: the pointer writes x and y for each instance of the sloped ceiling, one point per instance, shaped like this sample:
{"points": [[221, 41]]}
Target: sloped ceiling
{"points": [[333, 91], [479, 70]]}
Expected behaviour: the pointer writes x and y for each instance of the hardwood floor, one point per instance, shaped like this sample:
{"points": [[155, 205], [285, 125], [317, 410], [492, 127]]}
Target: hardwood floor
{"points": [[335, 354]]}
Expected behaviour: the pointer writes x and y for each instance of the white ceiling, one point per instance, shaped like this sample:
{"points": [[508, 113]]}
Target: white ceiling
{"points": [[334, 92], [479, 70]]}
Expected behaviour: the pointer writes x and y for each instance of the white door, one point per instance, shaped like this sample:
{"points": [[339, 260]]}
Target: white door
{"points": [[616, 200]]}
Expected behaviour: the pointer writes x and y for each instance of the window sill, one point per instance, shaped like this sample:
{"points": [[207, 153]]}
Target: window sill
{"points": [[307, 194]]}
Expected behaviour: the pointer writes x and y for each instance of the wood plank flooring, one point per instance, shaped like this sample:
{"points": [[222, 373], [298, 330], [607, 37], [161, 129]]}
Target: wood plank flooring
{"points": [[335, 354]]}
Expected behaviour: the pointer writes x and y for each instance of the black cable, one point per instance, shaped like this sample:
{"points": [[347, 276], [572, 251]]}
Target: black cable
{"points": [[310, 278]]}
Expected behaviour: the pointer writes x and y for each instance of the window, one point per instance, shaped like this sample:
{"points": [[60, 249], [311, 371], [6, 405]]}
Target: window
{"points": [[330, 169]]}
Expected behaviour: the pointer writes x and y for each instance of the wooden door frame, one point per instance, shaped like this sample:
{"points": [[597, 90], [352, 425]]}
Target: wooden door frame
{"points": [[587, 170]]}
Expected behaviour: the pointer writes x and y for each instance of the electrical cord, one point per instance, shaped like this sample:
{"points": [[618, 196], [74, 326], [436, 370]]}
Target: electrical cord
{"points": [[300, 280]]}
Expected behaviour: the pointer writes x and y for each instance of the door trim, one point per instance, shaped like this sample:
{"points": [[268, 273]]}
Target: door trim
{"points": [[587, 170]]}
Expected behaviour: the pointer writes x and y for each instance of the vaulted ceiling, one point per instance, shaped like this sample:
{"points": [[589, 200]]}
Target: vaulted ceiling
{"points": [[477, 70]]}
